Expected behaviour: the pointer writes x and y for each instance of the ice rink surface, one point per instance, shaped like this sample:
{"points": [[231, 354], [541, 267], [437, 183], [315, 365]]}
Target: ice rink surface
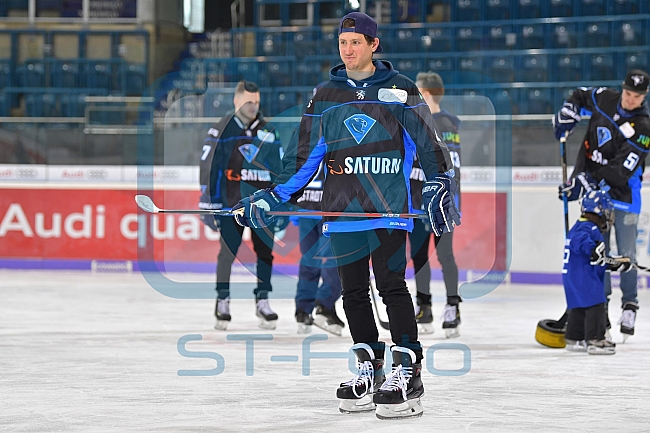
{"points": [[98, 352]]}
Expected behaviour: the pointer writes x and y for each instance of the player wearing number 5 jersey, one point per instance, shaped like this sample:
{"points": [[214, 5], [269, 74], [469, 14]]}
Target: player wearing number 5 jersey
{"points": [[613, 151]]}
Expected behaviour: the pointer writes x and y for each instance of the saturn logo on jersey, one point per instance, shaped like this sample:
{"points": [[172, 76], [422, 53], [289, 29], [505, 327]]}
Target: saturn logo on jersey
{"points": [[359, 125], [604, 135]]}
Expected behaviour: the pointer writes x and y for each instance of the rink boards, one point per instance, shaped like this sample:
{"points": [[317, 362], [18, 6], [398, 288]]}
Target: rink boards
{"points": [[84, 217]]}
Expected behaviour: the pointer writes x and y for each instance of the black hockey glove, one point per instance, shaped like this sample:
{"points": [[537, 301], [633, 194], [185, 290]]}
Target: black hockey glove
{"points": [[619, 264], [598, 257], [438, 199], [566, 119], [210, 220], [252, 211], [575, 187]]}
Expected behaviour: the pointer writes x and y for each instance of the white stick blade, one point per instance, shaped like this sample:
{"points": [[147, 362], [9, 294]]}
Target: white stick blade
{"points": [[146, 204]]}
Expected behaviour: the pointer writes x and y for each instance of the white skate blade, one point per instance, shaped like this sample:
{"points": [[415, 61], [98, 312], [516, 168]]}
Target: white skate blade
{"points": [[304, 329], [221, 325], [625, 337], [408, 409], [425, 328], [601, 350], [321, 322], [267, 324], [452, 332], [364, 404]]}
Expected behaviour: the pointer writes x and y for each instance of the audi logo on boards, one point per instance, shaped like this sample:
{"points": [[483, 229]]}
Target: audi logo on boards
{"points": [[26, 173], [97, 174], [167, 174], [551, 176], [481, 176]]}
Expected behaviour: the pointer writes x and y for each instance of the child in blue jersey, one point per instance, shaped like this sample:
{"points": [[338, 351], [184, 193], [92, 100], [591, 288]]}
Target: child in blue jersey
{"points": [[583, 276]]}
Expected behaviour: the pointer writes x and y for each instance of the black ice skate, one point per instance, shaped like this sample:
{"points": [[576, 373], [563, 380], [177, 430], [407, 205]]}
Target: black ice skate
{"points": [[222, 313], [601, 347], [451, 321], [304, 322], [356, 394], [424, 318], [268, 318], [399, 396], [627, 319], [327, 319]]}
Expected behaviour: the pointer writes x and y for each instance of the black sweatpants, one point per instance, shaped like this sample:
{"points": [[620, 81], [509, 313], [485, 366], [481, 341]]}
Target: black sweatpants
{"points": [[231, 237], [387, 248], [586, 323]]}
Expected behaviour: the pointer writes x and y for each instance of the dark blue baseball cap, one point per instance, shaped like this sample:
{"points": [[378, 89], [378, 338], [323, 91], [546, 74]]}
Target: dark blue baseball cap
{"points": [[363, 24]]}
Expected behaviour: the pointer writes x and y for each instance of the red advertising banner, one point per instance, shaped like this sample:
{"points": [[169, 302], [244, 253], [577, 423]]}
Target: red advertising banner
{"points": [[106, 224]]}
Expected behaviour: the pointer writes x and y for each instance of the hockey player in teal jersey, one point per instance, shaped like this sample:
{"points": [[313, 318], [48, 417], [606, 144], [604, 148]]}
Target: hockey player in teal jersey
{"points": [[583, 276], [367, 124]]}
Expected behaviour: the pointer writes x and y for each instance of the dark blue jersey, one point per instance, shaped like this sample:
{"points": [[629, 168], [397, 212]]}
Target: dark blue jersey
{"points": [[615, 145], [367, 133], [584, 283]]}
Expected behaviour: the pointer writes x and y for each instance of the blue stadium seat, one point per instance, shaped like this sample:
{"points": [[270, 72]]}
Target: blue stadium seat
{"points": [[308, 73], [31, 74], [5, 105], [597, 34], [408, 67], [328, 42], [539, 101], [280, 102], [272, 44], [408, 41], [41, 105], [217, 102], [17, 4], [443, 66], [468, 38], [561, 95], [249, 71], [5, 74], [630, 33], [565, 35], [561, 8], [634, 60], [134, 79], [65, 74], [592, 7], [279, 74], [505, 101], [529, 9], [601, 67], [501, 37], [498, 10], [466, 10], [534, 68], [73, 104], [438, 40], [568, 67], [304, 43], [626, 7], [502, 69], [98, 74], [532, 36], [471, 70], [52, 5]]}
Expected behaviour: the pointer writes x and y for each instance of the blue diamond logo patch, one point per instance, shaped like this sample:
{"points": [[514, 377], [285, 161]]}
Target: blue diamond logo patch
{"points": [[249, 151], [604, 135], [359, 125]]}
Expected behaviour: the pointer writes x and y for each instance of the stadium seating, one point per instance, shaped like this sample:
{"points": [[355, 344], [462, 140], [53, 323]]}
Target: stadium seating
{"points": [[469, 38], [498, 9], [601, 67], [528, 9], [534, 68]]}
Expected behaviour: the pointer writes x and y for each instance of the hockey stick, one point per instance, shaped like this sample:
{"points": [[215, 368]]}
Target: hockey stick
{"points": [[562, 321], [383, 324], [564, 180], [146, 204]]}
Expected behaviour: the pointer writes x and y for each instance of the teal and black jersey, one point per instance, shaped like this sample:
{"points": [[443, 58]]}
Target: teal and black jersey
{"points": [[615, 145], [238, 160], [368, 134]]}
